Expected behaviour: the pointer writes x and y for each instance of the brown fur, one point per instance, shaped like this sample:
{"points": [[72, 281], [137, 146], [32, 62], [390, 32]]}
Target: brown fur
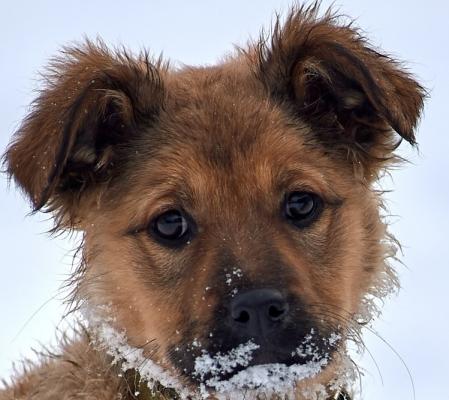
{"points": [[113, 140]]}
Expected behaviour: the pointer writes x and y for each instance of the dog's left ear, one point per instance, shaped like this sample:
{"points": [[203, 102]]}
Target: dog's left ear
{"points": [[72, 142], [353, 96]]}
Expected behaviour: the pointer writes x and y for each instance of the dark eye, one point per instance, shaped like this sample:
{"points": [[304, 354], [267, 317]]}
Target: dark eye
{"points": [[171, 228], [302, 208]]}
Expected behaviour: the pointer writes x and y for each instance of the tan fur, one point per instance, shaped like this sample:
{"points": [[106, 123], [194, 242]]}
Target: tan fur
{"points": [[78, 372], [114, 140]]}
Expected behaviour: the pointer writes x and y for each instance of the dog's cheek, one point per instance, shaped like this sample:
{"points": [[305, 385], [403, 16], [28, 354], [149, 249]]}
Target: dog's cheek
{"points": [[336, 266], [156, 292], [110, 281], [356, 252]]}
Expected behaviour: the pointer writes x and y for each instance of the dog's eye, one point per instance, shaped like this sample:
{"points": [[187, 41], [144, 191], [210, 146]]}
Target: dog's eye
{"points": [[302, 208], [171, 228]]}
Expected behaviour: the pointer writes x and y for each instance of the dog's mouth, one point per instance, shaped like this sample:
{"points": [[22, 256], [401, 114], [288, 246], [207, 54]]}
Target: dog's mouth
{"points": [[246, 356], [251, 365]]}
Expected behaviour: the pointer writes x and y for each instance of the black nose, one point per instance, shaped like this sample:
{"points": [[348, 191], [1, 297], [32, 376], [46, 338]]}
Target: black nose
{"points": [[258, 312]]}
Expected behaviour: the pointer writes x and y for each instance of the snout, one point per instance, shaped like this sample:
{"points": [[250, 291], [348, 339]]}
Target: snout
{"points": [[273, 322], [258, 313]]}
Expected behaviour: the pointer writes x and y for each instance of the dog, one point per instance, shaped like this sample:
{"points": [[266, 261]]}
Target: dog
{"points": [[233, 241]]}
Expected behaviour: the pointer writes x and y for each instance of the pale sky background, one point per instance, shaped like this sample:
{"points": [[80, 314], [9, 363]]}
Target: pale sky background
{"points": [[32, 265]]}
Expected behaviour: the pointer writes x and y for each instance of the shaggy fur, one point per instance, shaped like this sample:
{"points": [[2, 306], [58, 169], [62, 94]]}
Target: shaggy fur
{"points": [[115, 140]]}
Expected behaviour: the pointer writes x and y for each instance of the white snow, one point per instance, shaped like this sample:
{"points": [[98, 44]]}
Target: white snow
{"points": [[222, 364], [260, 380], [266, 380], [116, 345]]}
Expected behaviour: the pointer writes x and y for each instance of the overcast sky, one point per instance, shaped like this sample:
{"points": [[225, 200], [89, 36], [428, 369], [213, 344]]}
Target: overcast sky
{"points": [[33, 265]]}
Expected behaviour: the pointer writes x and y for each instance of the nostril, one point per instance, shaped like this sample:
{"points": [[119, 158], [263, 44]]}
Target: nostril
{"points": [[276, 312], [242, 317], [258, 311]]}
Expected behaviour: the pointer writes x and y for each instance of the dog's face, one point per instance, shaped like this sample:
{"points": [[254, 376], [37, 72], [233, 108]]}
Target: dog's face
{"points": [[235, 227], [225, 204]]}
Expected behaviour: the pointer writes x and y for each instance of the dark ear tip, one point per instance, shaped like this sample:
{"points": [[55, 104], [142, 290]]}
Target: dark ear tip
{"points": [[410, 138], [40, 204], [4, 166], [16, 172]]}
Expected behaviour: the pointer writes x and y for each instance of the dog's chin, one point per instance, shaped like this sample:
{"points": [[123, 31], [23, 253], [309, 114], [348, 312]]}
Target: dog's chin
{"points": [[260, 362], [249, 365]]}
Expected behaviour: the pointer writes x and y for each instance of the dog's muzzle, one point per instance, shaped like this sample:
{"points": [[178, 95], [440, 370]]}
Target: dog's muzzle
{"points": [[257, 313]]}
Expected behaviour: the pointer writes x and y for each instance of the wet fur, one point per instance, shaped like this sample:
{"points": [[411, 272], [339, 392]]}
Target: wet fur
{"points": [[113, 139]]}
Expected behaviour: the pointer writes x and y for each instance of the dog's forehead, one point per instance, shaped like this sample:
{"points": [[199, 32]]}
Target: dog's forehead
{"points": [[229, 80], [224, 144], [215, 115], [223, 105], [222, 118]]}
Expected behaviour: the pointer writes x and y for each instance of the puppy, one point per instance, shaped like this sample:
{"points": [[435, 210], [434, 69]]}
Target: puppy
{"points": [[232, 238]]}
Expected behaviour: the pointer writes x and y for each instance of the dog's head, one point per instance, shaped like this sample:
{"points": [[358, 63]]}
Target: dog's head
{"points": [[224, 204]]}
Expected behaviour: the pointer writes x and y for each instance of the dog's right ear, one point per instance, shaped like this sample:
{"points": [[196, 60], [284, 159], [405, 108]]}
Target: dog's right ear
{"points": [[93, 102], [359, 102]]}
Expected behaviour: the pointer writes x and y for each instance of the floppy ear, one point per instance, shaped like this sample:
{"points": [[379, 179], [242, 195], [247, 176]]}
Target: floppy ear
{"points": [[353, 96], [93, 102]]}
